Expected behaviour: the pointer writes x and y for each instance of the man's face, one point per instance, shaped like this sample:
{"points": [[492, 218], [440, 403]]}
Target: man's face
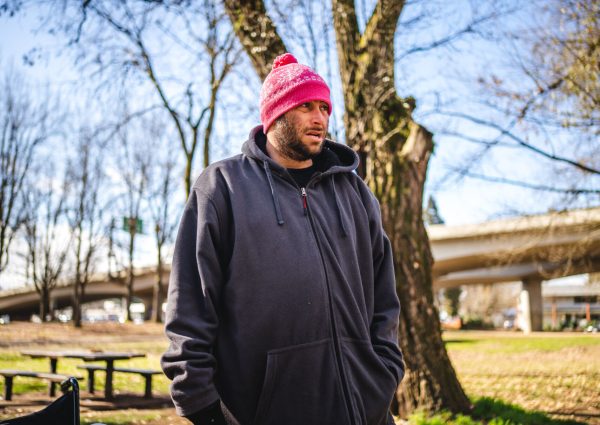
{"points": [[301, 131]]}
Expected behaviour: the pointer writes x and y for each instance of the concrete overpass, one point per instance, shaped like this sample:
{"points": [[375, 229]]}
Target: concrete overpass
{"points": [[23, 302], [527, 249], [534, 247]]}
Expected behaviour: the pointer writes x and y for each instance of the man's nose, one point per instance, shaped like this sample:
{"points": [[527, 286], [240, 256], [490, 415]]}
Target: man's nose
{"points": [[319, 116]]}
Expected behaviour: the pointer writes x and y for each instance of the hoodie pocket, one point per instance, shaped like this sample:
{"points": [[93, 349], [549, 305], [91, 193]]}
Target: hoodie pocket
{"points": [[301, 386], [372, 384]]}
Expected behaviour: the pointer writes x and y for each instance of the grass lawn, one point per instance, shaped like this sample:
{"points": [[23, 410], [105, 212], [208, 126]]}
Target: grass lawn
{"points": [[555, 373], [509, 377]]}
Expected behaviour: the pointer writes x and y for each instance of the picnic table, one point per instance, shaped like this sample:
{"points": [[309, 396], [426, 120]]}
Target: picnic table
{"points": [[108, 357]]}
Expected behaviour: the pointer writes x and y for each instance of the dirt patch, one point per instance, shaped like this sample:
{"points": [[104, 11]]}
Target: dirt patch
{"points": [[21, 334]]}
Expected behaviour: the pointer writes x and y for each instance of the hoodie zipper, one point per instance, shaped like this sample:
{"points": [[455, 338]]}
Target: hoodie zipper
{"points": [[304, 201], [336, 342]]}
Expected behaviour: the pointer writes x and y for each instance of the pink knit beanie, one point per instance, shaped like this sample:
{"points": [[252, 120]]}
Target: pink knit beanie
{"points": [[288, 85]]}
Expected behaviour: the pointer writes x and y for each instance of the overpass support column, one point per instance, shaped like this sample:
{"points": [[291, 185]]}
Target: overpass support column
{"points": [[533, 305], [148, 304]]}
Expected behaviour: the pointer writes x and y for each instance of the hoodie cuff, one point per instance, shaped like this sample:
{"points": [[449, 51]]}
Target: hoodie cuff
{"points": [[211, 415]]}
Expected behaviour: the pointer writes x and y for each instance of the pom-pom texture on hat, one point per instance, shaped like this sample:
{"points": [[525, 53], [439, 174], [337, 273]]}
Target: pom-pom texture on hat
{"points": [[288, 85], [284, 59]]}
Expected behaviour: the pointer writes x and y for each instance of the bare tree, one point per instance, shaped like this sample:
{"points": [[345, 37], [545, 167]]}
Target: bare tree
{"points": [[25, 124], [542, 99], [48, 243], [133, 159], [86, 176], [536, 100], [164, 213], [133, 42], [394, 152]]}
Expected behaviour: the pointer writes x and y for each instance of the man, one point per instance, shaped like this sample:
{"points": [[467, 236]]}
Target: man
{"points": [[282, 306]]}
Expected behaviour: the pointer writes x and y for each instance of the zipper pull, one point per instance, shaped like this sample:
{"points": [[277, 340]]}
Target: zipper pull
{"points": [[304, 202]]}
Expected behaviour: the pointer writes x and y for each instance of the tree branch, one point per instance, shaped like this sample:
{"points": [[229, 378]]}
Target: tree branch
{"points": [[476, 140], [383, 22], [347, 40], [504, 132], [376, 45], [527, 185], [152, 75], [136, 39], [469, 29], [257, 33]]}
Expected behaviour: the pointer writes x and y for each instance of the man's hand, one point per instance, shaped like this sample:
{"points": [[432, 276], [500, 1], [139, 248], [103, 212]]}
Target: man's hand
{"points": [[212, 415]]}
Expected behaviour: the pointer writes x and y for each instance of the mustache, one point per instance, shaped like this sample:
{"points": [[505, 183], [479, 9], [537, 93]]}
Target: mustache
{"points": [[316, 130]]}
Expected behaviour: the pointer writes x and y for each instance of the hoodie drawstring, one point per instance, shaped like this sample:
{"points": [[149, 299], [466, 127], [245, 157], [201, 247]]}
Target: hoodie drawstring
{"points": [[339, 209], [273, 193], [278, 214]]}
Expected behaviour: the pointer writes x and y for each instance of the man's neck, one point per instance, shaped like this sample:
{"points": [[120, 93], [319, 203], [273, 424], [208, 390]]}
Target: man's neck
{"points": [[284, 161]]}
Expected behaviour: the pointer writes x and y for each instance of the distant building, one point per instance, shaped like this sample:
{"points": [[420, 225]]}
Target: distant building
{"points": [[566, 305]]}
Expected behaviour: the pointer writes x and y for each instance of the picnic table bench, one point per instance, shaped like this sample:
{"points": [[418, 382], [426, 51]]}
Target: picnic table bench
{"points": [[108, 357], [146, 373], [10, 374]]}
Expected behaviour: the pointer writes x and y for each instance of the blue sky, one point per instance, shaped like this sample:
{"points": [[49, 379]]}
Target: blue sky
{"points": [[460, 201], [451, 71]]}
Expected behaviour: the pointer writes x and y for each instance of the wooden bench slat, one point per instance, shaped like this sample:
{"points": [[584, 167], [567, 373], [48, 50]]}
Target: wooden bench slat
{"points": [[122, 369], [91, 367], [146, 374], [10, 374], [55, 377], [140, 371]]}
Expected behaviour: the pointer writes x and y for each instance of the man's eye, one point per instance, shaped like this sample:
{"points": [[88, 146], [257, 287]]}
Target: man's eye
{"points": [[325, 108]]}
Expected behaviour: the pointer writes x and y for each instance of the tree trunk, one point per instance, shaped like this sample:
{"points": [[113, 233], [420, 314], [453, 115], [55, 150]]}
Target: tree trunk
{"points": [[395, 152], [77, 301], [77, 285], [430, 382], [130, 275], [129, 296], [44, 303], [158, 295], [256, 32]]}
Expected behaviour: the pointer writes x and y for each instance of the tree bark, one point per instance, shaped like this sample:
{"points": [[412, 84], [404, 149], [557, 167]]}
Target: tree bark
{"points": [[394, 153], [77, 301], [257, 33], [77, 285], [44, 303], [158, 296], [130, 274], [430, 382]]}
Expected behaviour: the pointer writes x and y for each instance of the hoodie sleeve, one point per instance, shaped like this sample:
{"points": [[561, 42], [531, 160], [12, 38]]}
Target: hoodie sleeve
{"points": [[386, 312], [192, 307]]}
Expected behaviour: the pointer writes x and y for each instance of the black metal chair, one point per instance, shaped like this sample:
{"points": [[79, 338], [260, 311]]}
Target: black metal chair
{"points": [[63, 411]]}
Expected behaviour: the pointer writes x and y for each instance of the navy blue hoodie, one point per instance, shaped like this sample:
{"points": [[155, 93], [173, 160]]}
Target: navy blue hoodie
{"points": [[282, 299]]}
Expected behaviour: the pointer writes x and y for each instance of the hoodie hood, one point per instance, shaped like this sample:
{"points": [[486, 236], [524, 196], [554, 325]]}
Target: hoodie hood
{"points": [[334, 158]]}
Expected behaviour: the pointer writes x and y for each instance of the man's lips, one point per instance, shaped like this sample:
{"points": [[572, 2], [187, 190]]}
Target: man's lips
{"points": [[316, 133]]}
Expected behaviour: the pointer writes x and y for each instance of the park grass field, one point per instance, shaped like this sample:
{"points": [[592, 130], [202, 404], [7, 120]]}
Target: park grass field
{"points": [[550, 378], [555, 373]]}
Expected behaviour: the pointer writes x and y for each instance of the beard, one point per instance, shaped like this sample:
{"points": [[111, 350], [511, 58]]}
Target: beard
{"points": [[290, 143]]}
